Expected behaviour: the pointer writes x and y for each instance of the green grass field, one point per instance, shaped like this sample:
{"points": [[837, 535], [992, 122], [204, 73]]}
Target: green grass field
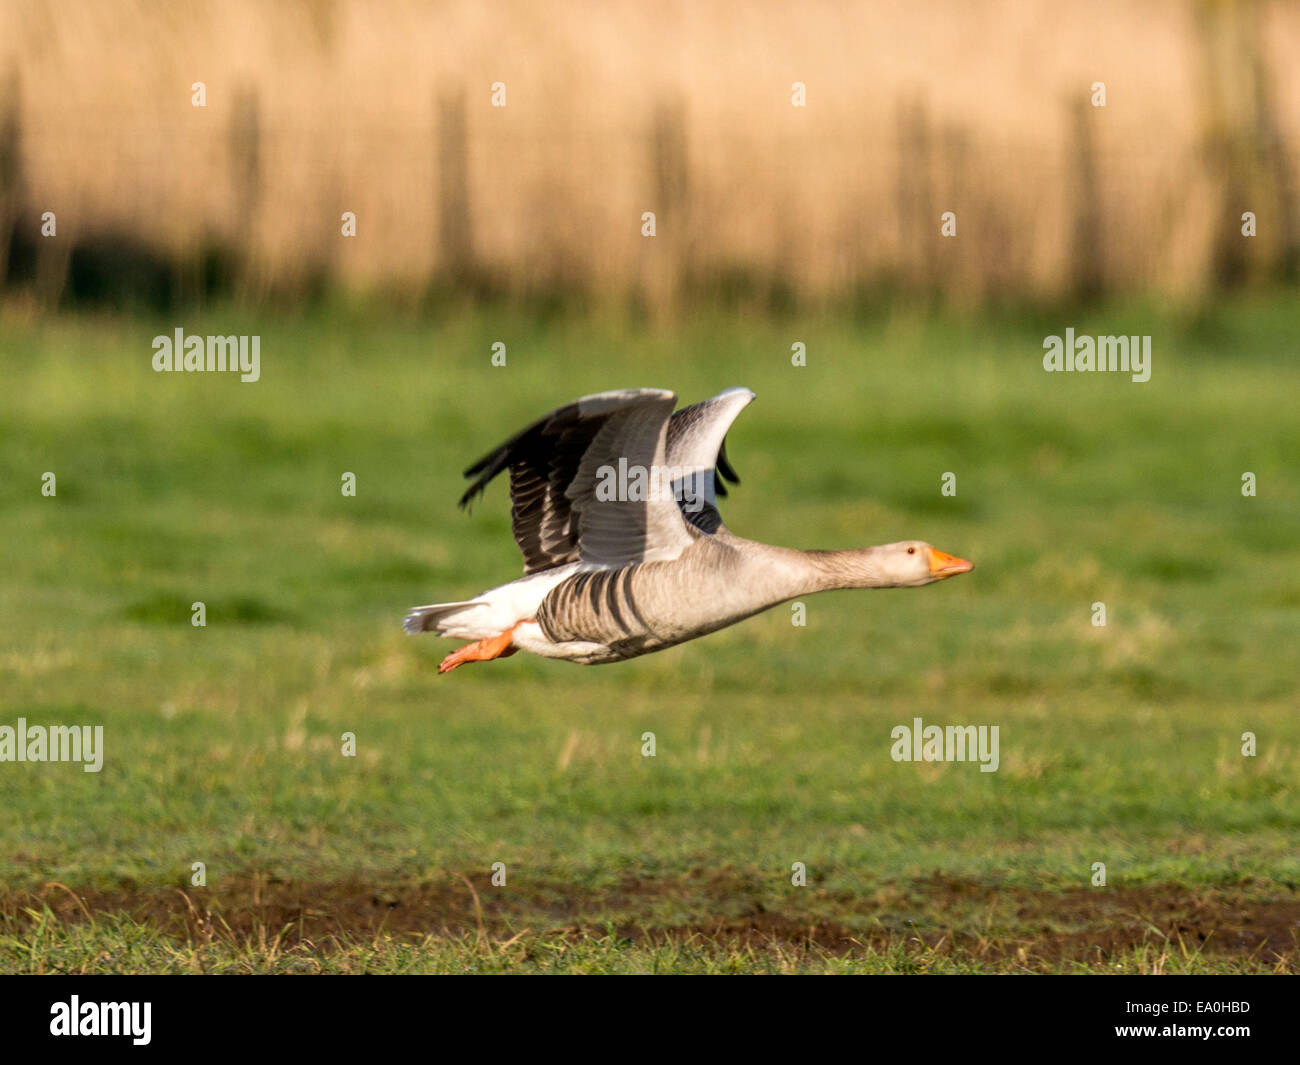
{"points": [[1119, 744]]}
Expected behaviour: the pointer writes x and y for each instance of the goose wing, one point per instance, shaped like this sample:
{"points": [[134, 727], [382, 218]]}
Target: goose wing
{"points": [[697, 445], [573, 490]]}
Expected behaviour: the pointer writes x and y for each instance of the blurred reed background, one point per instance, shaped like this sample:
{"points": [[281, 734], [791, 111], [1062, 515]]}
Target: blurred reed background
{"points": [[383, 108]]}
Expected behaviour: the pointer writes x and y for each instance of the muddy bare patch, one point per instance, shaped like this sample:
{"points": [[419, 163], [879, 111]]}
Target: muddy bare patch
{"points": [[981, 921]]}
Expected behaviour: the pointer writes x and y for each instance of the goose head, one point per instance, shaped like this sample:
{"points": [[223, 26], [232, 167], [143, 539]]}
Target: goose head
{"points": [[912, 563]]}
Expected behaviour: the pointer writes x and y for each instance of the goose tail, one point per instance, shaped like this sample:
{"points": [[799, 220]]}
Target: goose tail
{"points": [[438, 618]]}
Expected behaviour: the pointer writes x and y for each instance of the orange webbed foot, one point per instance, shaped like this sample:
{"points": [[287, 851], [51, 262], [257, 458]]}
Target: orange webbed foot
{"points": [[480, 651]]}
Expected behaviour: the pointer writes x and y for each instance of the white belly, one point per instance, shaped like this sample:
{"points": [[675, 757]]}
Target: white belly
{"points": [[529, 637], [514, 606], [500, 609]]}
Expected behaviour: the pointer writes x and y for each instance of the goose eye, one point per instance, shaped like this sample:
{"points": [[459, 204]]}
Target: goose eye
{"points": [[911, 550]]}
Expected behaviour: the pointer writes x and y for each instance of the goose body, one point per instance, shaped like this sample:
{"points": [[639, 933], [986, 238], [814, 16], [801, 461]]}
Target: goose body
{"points": [[614, 507]]}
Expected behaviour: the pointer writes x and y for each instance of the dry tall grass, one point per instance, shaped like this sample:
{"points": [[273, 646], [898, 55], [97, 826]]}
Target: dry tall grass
{"points": [[682, 108]]}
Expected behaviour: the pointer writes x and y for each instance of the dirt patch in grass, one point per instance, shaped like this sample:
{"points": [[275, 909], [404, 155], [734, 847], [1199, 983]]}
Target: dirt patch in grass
{"points": [[1092, 925], [984, 922]]}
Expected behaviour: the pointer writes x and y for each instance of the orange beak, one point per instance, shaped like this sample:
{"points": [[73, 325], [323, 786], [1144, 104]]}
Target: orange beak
{"points": [[945, 565]]}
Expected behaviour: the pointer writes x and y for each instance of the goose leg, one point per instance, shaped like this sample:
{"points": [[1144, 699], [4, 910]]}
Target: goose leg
{"points": [[480, 651]]}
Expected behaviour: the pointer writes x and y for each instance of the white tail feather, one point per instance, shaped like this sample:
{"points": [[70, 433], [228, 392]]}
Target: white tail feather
{"points": [[490, 614], [444, 619]]}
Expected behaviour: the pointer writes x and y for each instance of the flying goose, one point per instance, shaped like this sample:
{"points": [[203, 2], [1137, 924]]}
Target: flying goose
{"points": [[614, 507]]}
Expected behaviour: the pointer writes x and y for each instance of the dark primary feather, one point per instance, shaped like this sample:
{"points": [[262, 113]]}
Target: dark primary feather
{"points": [[707, 519], [544, 460], [726, 471], [693, 441]]}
